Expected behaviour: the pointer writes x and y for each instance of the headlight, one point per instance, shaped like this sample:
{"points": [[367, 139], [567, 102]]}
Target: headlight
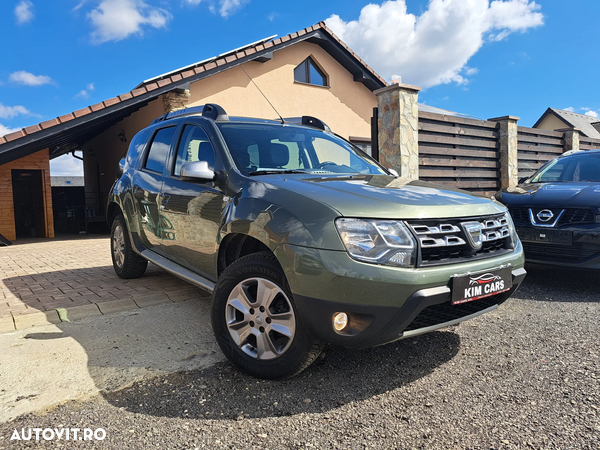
{"points": [[378, 241], [514, 238]]}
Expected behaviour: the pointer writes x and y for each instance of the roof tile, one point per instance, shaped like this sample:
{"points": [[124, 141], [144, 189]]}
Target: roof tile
{"points": [[126, 96], [151, 86], [277, 41], [49, 123], [220, 62], [66, 118], [14, 136], [286, 38], [199, 69], [266, 45], [111, 101], [240, 55], [250, 51], [210, 65], [140, 91], [175, 77], [2, 140], [230, 59], [32, 129], [82, 112], [164, 82], [97, 107], [188, 73]]}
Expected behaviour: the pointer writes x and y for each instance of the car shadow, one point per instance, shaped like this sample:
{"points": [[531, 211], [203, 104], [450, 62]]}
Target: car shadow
{"points": [[559, 284], [342, 376]]}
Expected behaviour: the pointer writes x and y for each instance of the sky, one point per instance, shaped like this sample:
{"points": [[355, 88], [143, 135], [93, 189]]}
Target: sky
{"points": [[478, 57]]}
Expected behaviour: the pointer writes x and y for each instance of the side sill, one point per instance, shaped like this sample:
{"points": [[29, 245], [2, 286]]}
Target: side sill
{"points": [[179, 271]]}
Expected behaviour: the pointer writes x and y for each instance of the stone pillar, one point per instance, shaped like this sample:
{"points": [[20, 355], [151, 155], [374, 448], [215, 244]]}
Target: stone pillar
{"points": [[571, 138], [398, 129], [509, 163]]}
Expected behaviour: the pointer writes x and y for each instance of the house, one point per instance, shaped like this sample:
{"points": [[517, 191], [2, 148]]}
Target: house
{"points": [[557, 119], [310, 72]]}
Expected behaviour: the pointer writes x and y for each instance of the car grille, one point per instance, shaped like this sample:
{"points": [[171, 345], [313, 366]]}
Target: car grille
{"points": [[446, 242], [556, 253], [447, 312], [570, 216]]}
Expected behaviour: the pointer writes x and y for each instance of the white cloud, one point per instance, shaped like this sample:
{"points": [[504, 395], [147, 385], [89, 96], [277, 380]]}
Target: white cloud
{"points": [[469, 71], [29, 79], [434, 47], [570, 109], [228, 7], [114, 20], [271, 17], [66, 166], [193, 2], [5, 130], [8, 112], [85, 93], [24, 12], [592, 113]]}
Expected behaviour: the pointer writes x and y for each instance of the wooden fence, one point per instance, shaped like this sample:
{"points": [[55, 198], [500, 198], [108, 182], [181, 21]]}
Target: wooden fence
{"points": [[464, 153], [459, 152]]}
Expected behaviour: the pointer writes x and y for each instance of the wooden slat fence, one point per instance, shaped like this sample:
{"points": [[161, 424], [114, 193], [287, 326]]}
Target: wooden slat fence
{"points": [[536, 147], [459, 152], [586, 143]]}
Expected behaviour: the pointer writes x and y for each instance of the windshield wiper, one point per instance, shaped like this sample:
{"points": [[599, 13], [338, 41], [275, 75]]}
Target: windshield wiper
{"points": [[272, 171]]}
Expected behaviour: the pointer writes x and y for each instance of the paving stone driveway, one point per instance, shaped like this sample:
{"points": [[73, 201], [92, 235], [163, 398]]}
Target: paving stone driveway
{"points": [[51, 280]]}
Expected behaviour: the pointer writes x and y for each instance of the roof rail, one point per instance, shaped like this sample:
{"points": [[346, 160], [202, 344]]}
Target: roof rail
{"points": [[308, 121], [210, 110]]}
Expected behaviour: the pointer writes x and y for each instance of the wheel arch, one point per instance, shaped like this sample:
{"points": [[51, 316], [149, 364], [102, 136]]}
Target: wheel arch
{"points": [[236, 245]]}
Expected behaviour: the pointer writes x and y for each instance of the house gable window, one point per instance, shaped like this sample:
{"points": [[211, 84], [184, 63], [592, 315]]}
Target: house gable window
{"points": [[308, 72]]}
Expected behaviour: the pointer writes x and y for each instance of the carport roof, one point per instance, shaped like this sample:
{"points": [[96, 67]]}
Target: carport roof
{"points": [[66, 133]]}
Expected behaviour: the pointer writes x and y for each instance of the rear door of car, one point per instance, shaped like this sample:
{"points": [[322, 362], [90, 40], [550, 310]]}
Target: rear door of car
{"points": [[146, 186], [193, 208]]}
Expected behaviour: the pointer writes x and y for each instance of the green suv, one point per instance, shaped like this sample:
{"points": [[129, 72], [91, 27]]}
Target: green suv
{"points": [[302, 238]]}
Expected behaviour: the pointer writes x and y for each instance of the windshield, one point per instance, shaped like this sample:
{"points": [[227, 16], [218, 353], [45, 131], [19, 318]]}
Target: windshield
{"points": [[270, 148], [577, 167]]}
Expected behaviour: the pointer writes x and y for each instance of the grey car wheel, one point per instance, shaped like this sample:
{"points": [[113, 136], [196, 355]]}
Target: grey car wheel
{"points": [[126, 262], [260, 318], [256, 322]]}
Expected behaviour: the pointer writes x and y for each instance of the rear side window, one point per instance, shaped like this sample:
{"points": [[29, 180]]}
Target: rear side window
{"points": [[137, 146], [160, 149], [194, 146]]}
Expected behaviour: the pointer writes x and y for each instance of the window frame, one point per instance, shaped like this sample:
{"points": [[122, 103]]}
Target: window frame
{"points": [[307, 63], [175, 151]]}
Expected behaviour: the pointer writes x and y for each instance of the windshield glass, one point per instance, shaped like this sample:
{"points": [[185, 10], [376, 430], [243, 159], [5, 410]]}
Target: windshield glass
{"points": [[268, 148], [577, 167]]}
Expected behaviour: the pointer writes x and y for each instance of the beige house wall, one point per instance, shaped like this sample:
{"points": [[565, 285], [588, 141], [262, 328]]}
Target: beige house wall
{"points": [[551, 123], [345, 105]]}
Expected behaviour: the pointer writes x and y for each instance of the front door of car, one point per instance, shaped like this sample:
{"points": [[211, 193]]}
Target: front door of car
{"points": [[146, 187], [193, 208]]}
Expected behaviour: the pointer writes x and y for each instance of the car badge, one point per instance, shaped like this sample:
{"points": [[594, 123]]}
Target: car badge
{"points": [[473, 230], [545, 215]]}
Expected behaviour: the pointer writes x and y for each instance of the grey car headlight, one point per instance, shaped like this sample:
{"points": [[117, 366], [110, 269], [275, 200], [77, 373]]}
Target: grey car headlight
{"points": [[514, 238], [378, 241]]}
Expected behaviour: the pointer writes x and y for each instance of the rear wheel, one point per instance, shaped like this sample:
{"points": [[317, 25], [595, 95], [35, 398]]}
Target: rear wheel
{"points": [[255, 320], [126, 262]]}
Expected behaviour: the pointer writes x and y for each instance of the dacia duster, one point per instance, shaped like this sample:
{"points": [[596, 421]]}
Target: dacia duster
{"points": [[302, 238]]}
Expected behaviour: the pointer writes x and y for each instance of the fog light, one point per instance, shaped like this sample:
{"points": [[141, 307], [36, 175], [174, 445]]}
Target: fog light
{"points": [[340, 321]]}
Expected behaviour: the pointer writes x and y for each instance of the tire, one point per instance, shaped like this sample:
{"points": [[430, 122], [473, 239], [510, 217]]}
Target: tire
{"points": [[126, 262], [261, 334]]}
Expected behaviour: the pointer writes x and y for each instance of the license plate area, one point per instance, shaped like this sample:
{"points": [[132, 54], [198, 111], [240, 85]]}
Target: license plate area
{"points": [[471, 287], [559, 237]]}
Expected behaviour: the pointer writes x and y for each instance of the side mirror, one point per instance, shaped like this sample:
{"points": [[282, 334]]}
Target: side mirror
{"points": [[122, 163], [393, 172], [197, 171]]}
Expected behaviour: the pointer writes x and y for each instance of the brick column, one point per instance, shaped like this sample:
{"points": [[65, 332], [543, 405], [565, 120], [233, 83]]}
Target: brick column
{"points": [[571, 138], [398, 129], [509, 163]]}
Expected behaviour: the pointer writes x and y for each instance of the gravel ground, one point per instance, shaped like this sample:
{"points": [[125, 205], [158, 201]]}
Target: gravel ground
{"points": [[524, 376]]}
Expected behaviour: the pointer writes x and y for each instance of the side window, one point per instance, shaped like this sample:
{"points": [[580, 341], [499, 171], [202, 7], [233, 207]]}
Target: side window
{"points": [[160, 149], [194, 146], [137, 146]]}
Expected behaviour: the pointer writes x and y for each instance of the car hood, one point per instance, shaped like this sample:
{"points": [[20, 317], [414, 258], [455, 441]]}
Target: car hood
{"points": [[384, 197], [576, 194]]}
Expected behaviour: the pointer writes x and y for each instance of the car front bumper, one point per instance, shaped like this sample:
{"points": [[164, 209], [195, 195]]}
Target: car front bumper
{"points": [[383, 303]]}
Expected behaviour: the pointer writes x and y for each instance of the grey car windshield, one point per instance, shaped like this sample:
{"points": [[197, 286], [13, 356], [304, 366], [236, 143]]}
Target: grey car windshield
{"points": [[270, 148], [577, 167]]}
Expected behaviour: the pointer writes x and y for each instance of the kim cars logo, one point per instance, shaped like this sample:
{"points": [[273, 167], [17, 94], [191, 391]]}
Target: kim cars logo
{"points": [[484, 285]]}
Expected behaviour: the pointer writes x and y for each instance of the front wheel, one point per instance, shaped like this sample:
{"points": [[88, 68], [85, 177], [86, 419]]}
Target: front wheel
{"points": [[126, 262], [255, 320]]}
